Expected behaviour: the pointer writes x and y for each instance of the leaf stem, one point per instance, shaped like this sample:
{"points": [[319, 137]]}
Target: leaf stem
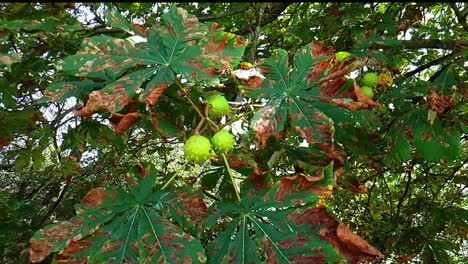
{"points": [[194, 106], [175, 175], [234, 185]]}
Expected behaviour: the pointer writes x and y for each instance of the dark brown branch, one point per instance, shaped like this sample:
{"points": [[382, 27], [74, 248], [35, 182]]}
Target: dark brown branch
{"points": [[228, 14], [402, 198], [53, 207], [423, 44], [461, 18], [427, 65], [274, 12]]}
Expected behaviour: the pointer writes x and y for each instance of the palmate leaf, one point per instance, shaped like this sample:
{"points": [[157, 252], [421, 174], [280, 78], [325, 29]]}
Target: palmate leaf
{"points": [[434, 142], [177, 46], [117, 226], [290, 96], [260, 231], [116, 20]]}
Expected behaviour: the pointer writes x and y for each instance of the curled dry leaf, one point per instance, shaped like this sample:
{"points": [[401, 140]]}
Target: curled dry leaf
{"points": [[351, 246], [102, 101], [438, 102], [126, 122], [252, 78], [266, 126], [155, 93], [298, 181], [347, 104]]}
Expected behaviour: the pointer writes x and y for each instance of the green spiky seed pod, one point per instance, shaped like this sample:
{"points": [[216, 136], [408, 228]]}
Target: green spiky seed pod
{"points": [[198, 148]]}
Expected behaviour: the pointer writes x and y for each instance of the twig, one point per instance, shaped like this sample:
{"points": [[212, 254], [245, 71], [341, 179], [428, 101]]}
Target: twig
{"points": [[461, 19], [227, 14], [427, 65], [275, 13], [402, 198], [421, 44], [175, 175]]}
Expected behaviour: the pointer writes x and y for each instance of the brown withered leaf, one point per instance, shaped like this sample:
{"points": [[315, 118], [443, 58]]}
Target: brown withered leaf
{"points": [[438, 102], [320, 50], [351, 246], [4, 142], [354, 242], [95, 197], [266, 126], [403, 27], [39, 249], [299, 182], [68, 255], [356, 187], [144, 31], [102, 101], [155, 93], [127, 121], [363, 102], [259, 180]]}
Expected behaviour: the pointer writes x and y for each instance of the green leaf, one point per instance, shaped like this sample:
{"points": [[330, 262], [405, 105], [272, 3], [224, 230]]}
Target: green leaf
{"points": [[435, 142], [61, 91], [116, 20], [107, 58], [290, 97], [130, 223], [261, 232]]}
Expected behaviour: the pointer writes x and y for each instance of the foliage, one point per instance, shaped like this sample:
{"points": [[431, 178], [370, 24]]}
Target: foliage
{"points": [[95, 112]]}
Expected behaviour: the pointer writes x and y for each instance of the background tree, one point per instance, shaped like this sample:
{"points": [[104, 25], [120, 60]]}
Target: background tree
{"points": [[84, 105]]}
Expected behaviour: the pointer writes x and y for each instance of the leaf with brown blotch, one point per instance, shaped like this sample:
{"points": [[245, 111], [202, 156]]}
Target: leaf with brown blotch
{"points": [[354, 248], [438, 102], [278, 239], [331, 84], [127, 121], [95, 197], [138, 172], [127, 227], [66, 256], [266, 125], [102, 101], [318, 49], [300, 182], [355, 242], [188, 209], [363, 102], [364, 99], [155, 93]]}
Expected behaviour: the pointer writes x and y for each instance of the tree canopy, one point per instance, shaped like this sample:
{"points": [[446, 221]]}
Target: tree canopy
{"points": [[344, 132]]}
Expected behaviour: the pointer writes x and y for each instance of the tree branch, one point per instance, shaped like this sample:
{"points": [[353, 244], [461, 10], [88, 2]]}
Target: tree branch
{"points": [[274, 13], [402, 198], [427, 65], [228, 14], [461, 19], [423, 44], [53, 208]]}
